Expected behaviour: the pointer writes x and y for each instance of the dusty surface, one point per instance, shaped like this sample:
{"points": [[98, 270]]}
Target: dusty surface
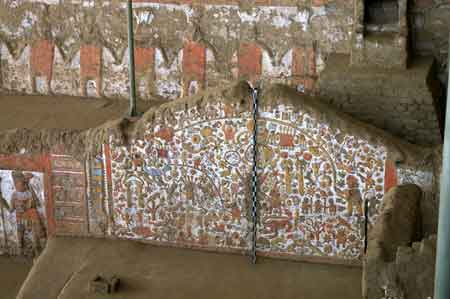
{"points": [[37, 129], [13, 272], [397, 227], [38, 123], [403, 103], [64, 269], [61, 112]]}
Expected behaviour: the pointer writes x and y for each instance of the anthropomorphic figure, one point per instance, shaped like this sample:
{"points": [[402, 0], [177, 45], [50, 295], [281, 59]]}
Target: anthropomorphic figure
{"points": [[25, 204], [353, 196]]}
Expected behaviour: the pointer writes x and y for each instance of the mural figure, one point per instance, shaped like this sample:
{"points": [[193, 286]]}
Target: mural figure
{"points": [[26, 210]]}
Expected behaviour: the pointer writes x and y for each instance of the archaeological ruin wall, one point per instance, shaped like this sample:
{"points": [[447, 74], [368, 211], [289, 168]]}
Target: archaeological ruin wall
{"points": [[183, 47], [183, 178]]}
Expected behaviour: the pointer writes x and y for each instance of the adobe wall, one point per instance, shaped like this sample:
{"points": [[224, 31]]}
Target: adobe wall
{"points": [[429, 31], [180, 176], [181, 46]]}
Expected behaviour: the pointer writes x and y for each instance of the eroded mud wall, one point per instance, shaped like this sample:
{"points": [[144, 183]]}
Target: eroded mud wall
{"points": [[429, 23], [181, 47], [185, 180], [182, 177]]}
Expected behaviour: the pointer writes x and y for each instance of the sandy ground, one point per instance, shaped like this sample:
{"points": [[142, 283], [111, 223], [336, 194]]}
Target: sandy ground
{"points": [[67, 265], [64, 112], [13, 272]]}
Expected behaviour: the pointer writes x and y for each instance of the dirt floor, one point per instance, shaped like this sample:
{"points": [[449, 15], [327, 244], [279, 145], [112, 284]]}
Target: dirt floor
{"points": [[62, 112], [67, 265], [13, 272]]}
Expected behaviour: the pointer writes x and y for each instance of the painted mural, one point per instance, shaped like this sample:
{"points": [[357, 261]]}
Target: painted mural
{"points": [[187, 182], [23, 225]]}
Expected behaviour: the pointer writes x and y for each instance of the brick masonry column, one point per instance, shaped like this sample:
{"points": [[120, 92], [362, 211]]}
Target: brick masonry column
{"points": [[249, 61], [304, 68], [194, 67], [90, 68], [41, 63]]}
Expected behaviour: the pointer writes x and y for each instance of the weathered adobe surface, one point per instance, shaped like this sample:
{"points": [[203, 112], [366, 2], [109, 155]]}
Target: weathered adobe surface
{"points": [[405, 102], [400, 258], [201, 45], [325, 23], [430, 21], [37, 124], [80, 142], [76, 49]]}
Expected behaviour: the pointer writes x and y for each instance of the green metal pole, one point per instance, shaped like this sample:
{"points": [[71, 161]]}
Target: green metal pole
{"points": [[132, 78], [442, 275]]}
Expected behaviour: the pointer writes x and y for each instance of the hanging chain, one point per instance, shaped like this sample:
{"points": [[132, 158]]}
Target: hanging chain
{"points": [[255, 174]]}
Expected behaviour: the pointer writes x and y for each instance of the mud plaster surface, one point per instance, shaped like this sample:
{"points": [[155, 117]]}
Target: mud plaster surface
{"points": [[33, 124], [59, 112], [36, 123], [174, 273], [13, 272]]}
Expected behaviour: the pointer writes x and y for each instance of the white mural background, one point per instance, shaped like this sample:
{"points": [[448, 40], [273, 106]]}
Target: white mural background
{"points": [[187, 182]]}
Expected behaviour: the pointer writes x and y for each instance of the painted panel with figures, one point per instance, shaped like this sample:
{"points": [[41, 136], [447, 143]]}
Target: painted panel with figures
{"points": [[187, 181], [23, 224]]}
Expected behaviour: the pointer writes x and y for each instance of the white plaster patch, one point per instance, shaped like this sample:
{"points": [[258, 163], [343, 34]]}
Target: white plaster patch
{"points": [[279, 17], [115, 76], [169, 75], [66, 75], [273, 69], [193, 88], [168, 89], [144, 17], [318, 11], [188, 10], [91, 88], [320, 62], [41, 84], [422, 178], [15, 73]]}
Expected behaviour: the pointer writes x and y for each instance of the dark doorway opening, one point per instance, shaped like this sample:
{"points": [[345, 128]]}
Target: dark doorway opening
{"points": [[381, 12]]}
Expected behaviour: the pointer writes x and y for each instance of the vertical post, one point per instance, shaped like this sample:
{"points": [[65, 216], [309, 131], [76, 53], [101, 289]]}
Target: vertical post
{"points": [[366, 223], [255, 172], [442, 275], [132, 78], [2, 216]]}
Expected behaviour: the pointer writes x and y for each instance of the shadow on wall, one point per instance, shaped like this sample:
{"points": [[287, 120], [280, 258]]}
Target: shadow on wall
{"points": [[400, 261]]}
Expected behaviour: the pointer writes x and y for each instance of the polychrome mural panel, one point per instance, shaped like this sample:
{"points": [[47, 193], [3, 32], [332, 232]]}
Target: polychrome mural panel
{"points": [[187, 181], [23, 225], [314, 183]]}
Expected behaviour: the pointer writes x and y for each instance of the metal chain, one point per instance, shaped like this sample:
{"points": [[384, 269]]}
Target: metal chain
{"points": [[255, 174]]}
